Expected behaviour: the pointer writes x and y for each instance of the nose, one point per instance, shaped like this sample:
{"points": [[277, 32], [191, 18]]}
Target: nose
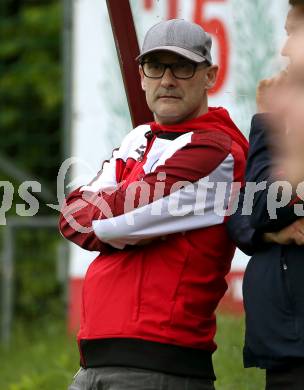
{"points": [[285, 51], [168, 80]]}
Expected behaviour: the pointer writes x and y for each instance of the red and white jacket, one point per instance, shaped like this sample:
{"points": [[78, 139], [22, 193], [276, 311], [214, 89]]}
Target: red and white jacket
{"points": [[156, 213]]}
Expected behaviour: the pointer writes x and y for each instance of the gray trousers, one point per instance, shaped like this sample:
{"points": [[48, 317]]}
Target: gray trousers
{"points": [[125, 378]]}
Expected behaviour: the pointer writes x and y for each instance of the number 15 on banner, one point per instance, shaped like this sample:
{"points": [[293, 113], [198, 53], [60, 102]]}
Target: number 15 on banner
{"points": [[214, 26], [218, 31]]}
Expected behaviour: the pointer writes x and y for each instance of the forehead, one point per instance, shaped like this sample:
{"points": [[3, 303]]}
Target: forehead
{"points": [[164, 56], [295, 18]]}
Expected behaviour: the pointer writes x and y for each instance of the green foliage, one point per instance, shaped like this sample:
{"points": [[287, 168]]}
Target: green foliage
{"points": [[31, 97], [41, 356], [39, 295], [31, 85]]}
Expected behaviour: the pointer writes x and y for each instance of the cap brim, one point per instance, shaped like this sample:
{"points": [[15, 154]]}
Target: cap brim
{"points": [[176, 50]]}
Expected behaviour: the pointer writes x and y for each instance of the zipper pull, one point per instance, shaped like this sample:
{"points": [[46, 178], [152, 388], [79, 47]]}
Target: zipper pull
{"points": [[149, 134]]}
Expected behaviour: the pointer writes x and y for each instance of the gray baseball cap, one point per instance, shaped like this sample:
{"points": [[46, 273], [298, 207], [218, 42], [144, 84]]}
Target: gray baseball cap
{"points": [[178, 36]]}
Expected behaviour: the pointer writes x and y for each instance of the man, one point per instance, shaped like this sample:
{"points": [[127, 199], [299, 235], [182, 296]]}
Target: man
{"points": [[149, 298], [273, 283]]}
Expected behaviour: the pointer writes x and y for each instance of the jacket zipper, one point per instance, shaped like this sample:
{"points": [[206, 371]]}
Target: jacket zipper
{"points": [[284, 265], [285, 275], [150, 139]]}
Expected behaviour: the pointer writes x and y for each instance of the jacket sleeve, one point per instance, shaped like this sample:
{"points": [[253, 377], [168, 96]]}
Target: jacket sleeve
{"points": [[76, 227], [182, 185], [74, 223], [245, 237], [181, 194], [259, 171]]}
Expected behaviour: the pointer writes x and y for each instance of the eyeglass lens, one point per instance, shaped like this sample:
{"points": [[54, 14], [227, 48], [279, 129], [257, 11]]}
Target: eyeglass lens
{"points": [[181, 69]]}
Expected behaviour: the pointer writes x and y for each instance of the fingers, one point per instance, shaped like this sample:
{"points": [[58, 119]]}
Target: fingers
{"points": [[269, 94], [299, 238], [144, 242], [298, 231], [300, 223], [278, 79], [292, 234]]}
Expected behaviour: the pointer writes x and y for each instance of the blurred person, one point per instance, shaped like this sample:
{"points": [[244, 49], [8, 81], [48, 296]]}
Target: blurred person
{"points": [[149, 298], [292, 158], [268, 91], [273, 287]]}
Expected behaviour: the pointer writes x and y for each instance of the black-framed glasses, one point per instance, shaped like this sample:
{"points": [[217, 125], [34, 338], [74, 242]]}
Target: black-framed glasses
{"points": [[180, 70]]}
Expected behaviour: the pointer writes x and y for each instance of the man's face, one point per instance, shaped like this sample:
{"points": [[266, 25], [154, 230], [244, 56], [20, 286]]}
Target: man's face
{"points": [[294, 24], [174, 100]]}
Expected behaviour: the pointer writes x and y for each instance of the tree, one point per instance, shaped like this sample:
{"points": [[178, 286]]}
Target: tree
{"points": [[31, 99], [31, 86]]}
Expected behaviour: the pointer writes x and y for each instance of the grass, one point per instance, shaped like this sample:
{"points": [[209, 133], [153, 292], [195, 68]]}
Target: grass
{"points": [[227, 360], [43, 357]]}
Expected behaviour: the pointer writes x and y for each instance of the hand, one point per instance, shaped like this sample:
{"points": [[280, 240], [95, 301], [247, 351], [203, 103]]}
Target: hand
{"points": [[144, 242], [148, 241], [292, 234], [270, 95]]}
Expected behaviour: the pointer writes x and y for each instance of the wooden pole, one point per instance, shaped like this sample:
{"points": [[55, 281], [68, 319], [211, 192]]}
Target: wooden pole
{"points": [[127, 50]]}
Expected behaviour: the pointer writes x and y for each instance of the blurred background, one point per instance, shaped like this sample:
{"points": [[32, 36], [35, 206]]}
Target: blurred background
{"points": [[62, 96]]}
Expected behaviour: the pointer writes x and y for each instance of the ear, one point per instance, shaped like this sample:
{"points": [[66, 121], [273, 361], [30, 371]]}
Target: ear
{"points": [[142, 78], [211, 76]]}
